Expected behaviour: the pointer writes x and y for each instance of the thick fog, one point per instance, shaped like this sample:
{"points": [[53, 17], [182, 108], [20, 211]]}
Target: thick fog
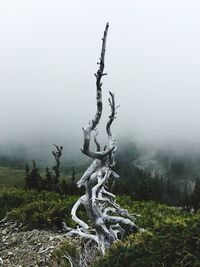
{"points": [[48, 54]]}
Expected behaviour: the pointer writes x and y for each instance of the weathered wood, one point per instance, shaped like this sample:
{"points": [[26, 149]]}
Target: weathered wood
{"points": [[107, 220]]}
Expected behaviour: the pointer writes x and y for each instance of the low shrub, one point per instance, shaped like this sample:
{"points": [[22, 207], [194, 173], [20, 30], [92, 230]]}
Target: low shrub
{"points": [[36, 210], [171, 238]]}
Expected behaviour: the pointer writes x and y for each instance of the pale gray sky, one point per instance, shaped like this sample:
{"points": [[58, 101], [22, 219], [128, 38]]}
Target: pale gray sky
{"points": [[48, 54]]}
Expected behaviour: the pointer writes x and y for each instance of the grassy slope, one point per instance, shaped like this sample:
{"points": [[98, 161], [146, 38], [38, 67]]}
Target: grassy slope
{"points": [[10, 177]]}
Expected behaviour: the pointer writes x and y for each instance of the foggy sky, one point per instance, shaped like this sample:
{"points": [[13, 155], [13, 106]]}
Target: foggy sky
{"points": [[48, 54]]}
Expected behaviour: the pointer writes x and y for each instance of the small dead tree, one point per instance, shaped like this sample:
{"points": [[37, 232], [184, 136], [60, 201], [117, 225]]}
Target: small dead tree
{"points": [[108, 221], [57, 154]]}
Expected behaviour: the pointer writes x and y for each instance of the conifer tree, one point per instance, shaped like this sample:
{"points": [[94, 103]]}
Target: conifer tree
{"points": [[195, 197], [33, 178]]}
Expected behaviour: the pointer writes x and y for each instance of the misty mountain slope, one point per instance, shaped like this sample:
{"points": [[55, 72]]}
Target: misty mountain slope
{"points": [[171, 162], [178, 165]]}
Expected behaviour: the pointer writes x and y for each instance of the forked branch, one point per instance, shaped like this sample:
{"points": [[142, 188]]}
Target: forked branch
{"points": [[89, 128]]}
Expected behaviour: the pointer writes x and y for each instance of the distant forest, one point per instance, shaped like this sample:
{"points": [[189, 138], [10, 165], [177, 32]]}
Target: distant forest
{"points": [[162, 177]]}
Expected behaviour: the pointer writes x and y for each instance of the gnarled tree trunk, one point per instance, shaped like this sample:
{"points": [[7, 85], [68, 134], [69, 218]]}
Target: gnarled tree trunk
{"points": [[108, 221]]}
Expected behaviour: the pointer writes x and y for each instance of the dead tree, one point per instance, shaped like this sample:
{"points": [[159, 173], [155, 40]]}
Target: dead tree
{"points": [[108, 221], [57, 154]]}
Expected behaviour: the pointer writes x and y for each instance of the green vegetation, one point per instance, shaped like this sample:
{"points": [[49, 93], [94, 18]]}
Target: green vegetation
{"points": [[195, 197], [141, 183], [36, 210], [171, 236], [11, 177]]}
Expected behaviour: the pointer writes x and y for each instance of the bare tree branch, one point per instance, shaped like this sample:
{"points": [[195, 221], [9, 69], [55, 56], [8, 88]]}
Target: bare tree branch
{"points": [[96, 141], [111, 141], [89, 128]]}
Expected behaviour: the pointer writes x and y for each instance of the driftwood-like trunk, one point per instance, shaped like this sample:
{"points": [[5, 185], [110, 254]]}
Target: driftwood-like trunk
{"points": [[108, 222]]}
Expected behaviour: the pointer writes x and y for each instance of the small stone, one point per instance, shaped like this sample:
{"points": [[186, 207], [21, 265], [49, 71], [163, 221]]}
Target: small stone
{"points": [[51, 238], [10, 253], [4, 232]]}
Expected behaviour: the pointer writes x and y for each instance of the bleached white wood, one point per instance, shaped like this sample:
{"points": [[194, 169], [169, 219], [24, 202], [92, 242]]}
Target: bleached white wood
{"points": [[107, 220]]}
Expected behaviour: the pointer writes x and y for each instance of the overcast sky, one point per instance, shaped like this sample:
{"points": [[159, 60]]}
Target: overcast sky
{"points": [[48, 54]]}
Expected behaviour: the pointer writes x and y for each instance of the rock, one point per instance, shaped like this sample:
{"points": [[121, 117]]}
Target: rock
{"points": [[22, 248], [10, 253], [41, 249], [4, 232], [51, 238]]}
